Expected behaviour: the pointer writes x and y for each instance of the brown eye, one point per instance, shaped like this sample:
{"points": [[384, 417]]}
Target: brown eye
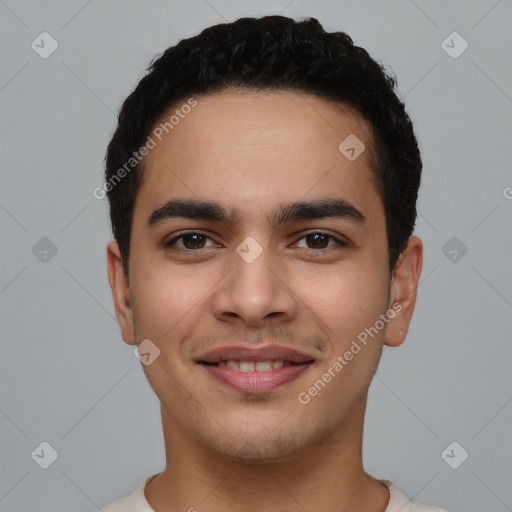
{"points": [[189, 241], [319, 241], [193, 241]]}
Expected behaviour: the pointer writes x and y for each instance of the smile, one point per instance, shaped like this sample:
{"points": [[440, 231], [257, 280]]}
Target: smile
{"points": [[254, 366], [255, 376]]}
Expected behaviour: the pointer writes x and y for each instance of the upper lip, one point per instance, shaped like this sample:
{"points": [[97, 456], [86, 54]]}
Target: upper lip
{"points": [[244, 353]]}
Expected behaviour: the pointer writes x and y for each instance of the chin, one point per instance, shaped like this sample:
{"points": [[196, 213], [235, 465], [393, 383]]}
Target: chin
{"points": [[262, 445], [259, 451]]}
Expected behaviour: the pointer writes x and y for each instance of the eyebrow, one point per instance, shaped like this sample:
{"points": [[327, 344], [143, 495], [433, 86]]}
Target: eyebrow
{"points": [[283, 214]]}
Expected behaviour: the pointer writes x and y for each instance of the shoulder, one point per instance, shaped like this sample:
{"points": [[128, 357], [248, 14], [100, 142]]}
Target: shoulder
{"points": [[399, 502], [134, 502], [117, 505], [125, 504], [423, 507]]}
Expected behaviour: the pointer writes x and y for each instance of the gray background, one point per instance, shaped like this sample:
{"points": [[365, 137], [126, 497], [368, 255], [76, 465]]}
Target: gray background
{"points": [[68, 379]]}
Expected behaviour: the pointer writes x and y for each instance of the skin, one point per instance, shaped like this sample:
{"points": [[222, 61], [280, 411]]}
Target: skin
{"points": [[228, 450]]}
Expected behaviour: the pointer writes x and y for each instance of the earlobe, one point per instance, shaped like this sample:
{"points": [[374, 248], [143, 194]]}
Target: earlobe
{"points": [[404, 288], [120, 293]]}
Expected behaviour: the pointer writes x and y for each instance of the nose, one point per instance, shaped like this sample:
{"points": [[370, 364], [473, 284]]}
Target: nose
{"points": [[254, 292]]}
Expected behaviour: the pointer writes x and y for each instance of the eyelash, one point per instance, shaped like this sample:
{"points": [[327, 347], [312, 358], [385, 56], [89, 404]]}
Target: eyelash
{"points": [[171, 243]]}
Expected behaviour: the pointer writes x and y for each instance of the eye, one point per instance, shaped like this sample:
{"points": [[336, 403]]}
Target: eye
{"points": [[190, 241], [320, 240], [195, 241]]}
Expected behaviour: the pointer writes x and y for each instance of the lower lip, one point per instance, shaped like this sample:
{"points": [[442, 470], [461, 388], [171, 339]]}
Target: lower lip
{"points": [[256, 382]]}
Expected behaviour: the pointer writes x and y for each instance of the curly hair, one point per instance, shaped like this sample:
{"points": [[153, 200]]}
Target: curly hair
{"points": [[273, 53]]}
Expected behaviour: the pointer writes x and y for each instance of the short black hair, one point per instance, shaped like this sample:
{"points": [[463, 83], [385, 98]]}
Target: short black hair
{"points": [[271, 53]]}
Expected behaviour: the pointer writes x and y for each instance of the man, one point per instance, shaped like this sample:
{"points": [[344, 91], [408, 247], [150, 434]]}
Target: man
{"points": [[262, 182]]}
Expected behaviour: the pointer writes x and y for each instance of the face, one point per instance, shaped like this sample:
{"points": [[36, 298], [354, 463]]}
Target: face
{"points": [[290, 250]]}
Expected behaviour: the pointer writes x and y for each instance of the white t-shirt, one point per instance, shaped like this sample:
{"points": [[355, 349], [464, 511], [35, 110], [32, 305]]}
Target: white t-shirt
{"points": [[398, 501]]}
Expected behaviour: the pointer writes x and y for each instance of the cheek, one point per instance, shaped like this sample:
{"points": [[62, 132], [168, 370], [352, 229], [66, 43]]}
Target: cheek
{"points": [[346, 299], [168, 297]]}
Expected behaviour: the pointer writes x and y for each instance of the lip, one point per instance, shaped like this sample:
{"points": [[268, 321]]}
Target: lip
{"points": [[255, 382], [244, 353]]}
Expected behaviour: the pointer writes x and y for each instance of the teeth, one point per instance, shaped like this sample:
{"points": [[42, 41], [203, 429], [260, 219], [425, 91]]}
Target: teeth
{"points": [[251, 366], [246, 366], [263, 366]]}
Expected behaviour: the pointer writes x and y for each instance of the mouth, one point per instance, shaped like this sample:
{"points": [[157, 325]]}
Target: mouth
{"points": [[255, 366], [255, 369], [255, 376]]}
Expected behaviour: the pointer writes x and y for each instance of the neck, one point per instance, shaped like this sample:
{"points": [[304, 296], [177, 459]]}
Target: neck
{"points": [[326, 475]]}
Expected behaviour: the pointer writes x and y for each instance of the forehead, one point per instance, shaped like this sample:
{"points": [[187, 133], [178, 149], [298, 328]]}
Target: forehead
{"points": [[248, 149]]}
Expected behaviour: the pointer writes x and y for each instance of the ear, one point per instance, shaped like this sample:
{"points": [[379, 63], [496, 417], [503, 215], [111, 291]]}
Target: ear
{"points": [[120, 293], [404, 289]]}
